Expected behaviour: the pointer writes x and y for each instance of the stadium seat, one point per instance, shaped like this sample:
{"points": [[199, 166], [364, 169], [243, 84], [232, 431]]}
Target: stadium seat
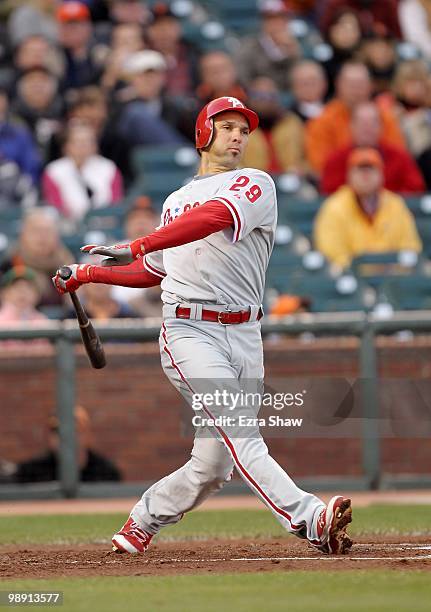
{"points": [[297, 212], [374, 268], [424, 229], [108, 220], [166, 158], [408, 292], [240, 16], [326, 294], [160, 171], [420, 206]]}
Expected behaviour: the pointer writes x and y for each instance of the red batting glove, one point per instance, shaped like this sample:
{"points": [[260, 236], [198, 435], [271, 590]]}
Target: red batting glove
{"points": [[79, 277]]}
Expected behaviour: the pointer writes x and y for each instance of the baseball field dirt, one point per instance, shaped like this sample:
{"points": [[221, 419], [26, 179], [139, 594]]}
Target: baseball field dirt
{"points": [[231, 546]]}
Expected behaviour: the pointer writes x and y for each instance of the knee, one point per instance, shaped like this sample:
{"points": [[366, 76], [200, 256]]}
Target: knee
{"points": [[213, 473]]}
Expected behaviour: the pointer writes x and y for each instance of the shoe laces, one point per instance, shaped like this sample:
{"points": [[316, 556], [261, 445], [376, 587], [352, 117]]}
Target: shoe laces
{"points": [[138, 533]]}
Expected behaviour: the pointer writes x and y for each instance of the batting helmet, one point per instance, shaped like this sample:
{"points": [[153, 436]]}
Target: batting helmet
{"points": [[205, 122]]}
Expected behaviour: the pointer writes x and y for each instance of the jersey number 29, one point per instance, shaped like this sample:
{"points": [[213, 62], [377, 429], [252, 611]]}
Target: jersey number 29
{"points": [[252, 194]]}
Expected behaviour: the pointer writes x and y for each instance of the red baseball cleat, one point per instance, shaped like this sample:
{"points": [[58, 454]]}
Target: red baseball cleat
{"points": [[131, 538], [332, 524]]}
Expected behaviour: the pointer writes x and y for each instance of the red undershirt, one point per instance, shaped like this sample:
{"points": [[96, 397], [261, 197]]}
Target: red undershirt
{"points": [[195, 224]]}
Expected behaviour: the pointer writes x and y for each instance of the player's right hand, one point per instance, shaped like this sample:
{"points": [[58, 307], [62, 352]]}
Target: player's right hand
{"points": [[78, 277]]}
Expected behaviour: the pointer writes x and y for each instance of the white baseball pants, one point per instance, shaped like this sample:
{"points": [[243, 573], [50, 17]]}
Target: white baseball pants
{"points": [[192, 350]]}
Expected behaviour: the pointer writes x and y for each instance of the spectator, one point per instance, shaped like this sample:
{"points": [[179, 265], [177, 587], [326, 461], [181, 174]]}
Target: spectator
{"points": [[39, 247], [83, 58], [16, 190], [89, 105], [128, 11], [273, 51], [363, 217], [378, 52], [101, 305], [93, 466], [38, 52], [277, 145], [32, 18], [401, 173], [415, 21], [409, 101], [344, 35], [332, 129], [140, 221], [126, 39], [218, 77], [35, 51], [309, 86], [17, 144], [37, 102], [370, 13], [82, 179], [165, 36], [19, 296], [151, 118]]}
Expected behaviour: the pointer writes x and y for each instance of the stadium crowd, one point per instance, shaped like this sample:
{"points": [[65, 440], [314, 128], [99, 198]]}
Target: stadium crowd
{"points": [[342, 89]]}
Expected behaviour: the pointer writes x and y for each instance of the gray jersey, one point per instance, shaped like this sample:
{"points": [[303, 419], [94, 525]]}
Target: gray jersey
{"points": [[227, 267]]}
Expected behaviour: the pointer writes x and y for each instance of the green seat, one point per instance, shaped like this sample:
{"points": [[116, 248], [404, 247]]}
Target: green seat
{"points": [[374, 268], [424, 229], [146, 160], [10, 221], [420, 206], [108, 220], [240, 16], [299, 213], [325, 293], [408, 292]]}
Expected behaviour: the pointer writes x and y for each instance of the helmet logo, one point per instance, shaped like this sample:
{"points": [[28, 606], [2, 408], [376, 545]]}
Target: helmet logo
{"points": [[236, 103]]}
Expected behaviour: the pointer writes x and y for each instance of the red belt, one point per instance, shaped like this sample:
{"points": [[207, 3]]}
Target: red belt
{"points": [[223, 317]]}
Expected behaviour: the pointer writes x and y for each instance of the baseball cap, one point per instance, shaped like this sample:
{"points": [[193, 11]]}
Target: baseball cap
{"points": [[17, 273], [365, 157], [273, 7], [142, 61], [73, 11]]}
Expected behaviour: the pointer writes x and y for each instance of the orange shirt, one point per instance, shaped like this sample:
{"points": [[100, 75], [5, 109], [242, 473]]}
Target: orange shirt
{"points": [[331, 130]]}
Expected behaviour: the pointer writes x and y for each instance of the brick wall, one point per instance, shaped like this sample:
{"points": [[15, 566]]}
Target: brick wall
{"points": [[136, 414]]}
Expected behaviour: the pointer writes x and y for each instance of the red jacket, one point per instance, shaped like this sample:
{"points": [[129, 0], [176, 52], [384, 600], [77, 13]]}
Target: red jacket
{"points": [[400, 170]]}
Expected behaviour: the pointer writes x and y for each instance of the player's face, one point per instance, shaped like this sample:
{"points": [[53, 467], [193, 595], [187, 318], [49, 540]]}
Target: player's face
{"points": [[231, 133]]}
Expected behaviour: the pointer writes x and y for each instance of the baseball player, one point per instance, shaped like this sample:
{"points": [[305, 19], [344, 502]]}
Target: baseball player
{"points": [[210, 254]]}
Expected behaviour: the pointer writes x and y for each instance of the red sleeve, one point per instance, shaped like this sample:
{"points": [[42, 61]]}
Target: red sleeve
{"points": [[192, 225], [133, 275]]}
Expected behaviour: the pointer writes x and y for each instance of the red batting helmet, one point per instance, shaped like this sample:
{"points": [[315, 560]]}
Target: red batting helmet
{"points": [[205, 123]]}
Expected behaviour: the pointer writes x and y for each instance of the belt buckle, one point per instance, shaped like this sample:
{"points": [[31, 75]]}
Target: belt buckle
{"points": [[219, 321]]}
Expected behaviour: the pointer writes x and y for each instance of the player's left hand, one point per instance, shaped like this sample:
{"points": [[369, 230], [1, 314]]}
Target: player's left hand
{"points": [[116, 254]]}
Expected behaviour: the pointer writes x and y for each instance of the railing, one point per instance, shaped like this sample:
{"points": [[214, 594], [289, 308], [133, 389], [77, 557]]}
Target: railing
{"points": [[364, 326]]}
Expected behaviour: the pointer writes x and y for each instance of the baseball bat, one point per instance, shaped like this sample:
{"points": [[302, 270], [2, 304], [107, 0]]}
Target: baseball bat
{"points": [[91, 340]]}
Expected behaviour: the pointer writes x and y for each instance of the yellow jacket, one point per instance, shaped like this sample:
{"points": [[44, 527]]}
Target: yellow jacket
{"points": [[342, 231]]}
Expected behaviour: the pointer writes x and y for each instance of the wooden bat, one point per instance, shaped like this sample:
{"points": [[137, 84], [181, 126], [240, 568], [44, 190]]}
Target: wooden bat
{"points": [[91, 340]]}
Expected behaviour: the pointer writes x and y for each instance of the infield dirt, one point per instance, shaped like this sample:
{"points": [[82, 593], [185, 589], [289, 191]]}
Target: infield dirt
{"points": [[219, 556]]}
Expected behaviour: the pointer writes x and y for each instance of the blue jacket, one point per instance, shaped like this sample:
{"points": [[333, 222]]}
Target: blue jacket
{"points": [[17, 144]]}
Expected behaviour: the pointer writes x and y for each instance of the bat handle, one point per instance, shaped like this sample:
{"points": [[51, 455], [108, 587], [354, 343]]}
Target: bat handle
{"points": [[65, 272]]}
